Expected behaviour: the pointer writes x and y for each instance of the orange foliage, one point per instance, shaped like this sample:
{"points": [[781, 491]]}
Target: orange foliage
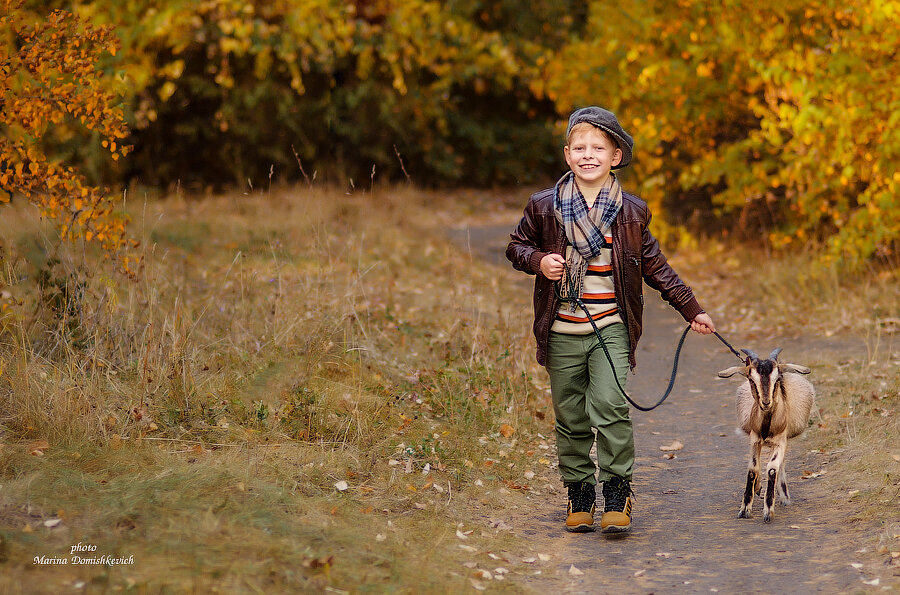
{"points": [[49, 77]]}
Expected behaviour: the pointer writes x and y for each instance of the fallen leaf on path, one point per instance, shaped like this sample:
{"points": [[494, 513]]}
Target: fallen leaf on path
{"points": [[529, 475], [544, 557], [477, 584], [574, 571], [676, 445], [856, 565], [483, 574], [896, 458], [796, 527], [529, 560], [470, 564], [342, 486], [639, 572], [874, 582], [670, 456], [663, 554], [507, 430], [50, 523], [462, 535]]}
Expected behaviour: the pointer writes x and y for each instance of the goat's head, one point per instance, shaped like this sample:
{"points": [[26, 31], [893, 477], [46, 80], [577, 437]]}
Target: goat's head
{"points": [[764, 375]]}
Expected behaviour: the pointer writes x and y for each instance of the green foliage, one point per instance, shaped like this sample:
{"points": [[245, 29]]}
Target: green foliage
{"points": [[226, 90]]}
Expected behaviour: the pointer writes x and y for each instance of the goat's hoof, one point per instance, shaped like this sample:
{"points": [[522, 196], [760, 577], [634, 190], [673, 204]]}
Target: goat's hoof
{"points": [[744, 514], [767, 517]]}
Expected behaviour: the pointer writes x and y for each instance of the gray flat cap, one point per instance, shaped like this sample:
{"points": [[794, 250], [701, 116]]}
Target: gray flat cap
{"points": [[605, 120]]}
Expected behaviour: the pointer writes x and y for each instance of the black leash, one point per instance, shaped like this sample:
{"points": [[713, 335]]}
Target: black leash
{"points": [[577, 299]]}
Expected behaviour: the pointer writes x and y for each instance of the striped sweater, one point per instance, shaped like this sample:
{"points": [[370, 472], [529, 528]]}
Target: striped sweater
{"points": [[599, 296]]}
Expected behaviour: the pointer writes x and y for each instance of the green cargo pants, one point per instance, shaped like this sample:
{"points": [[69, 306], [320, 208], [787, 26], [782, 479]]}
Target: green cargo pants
{"points": [[585, 396]]}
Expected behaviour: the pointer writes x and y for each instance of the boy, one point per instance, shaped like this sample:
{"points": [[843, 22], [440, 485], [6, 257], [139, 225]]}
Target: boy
{"points": [[588, 229]]}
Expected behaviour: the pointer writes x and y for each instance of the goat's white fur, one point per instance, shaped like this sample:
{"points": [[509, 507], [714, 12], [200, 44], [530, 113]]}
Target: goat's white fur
{"points": [[772, 406]]}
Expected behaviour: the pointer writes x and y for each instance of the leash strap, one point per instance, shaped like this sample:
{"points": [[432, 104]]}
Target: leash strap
{"points": [[728, 345], [574, 297]]}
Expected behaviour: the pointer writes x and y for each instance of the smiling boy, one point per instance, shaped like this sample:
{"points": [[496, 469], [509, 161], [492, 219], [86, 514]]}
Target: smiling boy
{"points": [[587, 225]]}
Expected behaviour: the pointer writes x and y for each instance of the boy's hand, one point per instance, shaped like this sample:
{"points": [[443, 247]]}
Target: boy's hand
{"points": [[701, 323], [552, 266]]}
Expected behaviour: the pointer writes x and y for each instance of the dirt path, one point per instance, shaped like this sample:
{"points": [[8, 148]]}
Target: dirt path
{"points": [[686, 536]]}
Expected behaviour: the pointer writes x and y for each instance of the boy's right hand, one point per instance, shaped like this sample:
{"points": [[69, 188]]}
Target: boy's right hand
{"points": [[552, 266]]}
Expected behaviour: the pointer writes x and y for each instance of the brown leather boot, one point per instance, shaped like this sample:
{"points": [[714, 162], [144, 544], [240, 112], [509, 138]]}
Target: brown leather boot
{"points": [[582, 502], [617, 507]]}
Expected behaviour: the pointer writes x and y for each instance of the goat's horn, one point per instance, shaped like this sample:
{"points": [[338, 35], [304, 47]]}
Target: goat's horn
{"points": [[729, 372], [774, 354], [794, 368], [750, 353]]}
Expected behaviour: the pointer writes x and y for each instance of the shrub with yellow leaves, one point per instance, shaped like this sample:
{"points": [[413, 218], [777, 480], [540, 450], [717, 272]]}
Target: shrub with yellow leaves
{"points": [[775, 120], [49, 80]]}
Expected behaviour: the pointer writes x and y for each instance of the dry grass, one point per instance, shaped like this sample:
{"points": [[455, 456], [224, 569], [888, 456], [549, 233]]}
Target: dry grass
{"points": [[277, 345], [273, 347]]}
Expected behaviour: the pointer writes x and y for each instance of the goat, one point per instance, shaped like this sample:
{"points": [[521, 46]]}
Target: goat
{"points": [[772, 406]]}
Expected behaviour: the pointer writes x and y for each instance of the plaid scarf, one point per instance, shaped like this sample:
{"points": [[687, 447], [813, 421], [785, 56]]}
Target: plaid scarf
{"points": [[585, 228]]}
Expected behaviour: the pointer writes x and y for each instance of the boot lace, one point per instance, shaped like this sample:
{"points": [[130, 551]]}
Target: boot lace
{"points": [[615, 494], [582, 496]]}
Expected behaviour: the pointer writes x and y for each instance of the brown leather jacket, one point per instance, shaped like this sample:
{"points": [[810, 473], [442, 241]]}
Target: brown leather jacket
{"points": [[635, 256]]}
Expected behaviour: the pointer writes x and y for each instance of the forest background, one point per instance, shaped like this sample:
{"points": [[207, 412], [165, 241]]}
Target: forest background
{"points": [[235, 335], [777, 122]]}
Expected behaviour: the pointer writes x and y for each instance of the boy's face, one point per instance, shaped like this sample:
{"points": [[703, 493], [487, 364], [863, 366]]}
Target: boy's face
{"points": [[590, 155]]}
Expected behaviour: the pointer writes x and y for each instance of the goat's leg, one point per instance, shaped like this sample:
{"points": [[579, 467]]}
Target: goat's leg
{"points": [[752, 477], [775, 464], [784, 496]]}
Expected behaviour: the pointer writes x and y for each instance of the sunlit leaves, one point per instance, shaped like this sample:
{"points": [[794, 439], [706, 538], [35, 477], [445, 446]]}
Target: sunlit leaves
{"points": [[783, 114]]}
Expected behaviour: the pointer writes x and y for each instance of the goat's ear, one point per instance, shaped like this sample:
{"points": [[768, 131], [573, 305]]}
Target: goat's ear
{"points": [[774, 355], [729, 372], [798, 369]]}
